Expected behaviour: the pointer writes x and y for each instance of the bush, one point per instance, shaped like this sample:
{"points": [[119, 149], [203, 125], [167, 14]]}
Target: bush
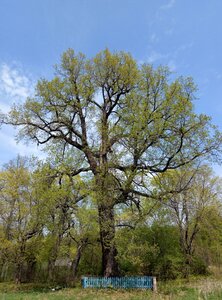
{"points": [[198, 266]]}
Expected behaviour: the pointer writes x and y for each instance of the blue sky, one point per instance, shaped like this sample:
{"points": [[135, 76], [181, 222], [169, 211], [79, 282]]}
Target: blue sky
{"points": [[186, 35]]}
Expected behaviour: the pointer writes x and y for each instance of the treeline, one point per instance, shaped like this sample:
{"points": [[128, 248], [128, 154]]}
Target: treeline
{"points": [[49, 225]]}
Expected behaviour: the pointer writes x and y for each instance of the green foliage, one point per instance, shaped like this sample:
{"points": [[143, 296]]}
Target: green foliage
{"points": [[198, 266], [189, 195], [150, 251]]}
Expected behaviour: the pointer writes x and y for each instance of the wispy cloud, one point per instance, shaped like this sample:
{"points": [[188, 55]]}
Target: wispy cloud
{"points": [[4, 107], [171, 58], [156, 56], [11, 147], [14, 83], [172, 65], [154, 38], [185, 47], [168, 5], [15, 86]]}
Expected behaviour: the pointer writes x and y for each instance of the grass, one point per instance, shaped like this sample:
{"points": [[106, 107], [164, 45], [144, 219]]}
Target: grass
{"points": [[75, 293], [196, 289]]}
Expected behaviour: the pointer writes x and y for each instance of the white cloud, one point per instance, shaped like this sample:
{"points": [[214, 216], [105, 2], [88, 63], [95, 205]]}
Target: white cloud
{"points": [[14, 83], [156, 56], [154, 38], [172, 59], [168, 5], [163, 58], [185, 47], [4, 107], [15, 86], [172, 65], [11, 148], [23, 149]]}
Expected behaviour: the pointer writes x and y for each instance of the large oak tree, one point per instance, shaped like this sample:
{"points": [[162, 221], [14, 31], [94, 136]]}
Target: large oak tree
{"points": [[123, 122]]}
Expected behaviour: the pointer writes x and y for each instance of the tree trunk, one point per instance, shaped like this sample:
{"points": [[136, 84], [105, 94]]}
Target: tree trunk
{"points": [[31, 268], [18, 273], [187, 266], [107, 236], [51, 269], [75, 263], [19, 263], [52, 259]]}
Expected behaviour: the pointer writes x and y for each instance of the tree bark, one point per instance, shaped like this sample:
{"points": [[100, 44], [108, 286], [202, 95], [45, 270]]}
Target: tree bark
{"points": [[31, 268], [18, 273], [52, 259], [107, 236], [75, 263]]}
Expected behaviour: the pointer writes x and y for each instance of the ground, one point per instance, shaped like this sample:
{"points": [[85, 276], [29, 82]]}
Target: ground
{"points": [[195, 289]]}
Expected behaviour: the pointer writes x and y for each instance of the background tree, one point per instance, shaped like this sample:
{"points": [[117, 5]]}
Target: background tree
{"points": [[62, 198], [19, 216], [124, 122], [189, 194], [208, 245]]}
